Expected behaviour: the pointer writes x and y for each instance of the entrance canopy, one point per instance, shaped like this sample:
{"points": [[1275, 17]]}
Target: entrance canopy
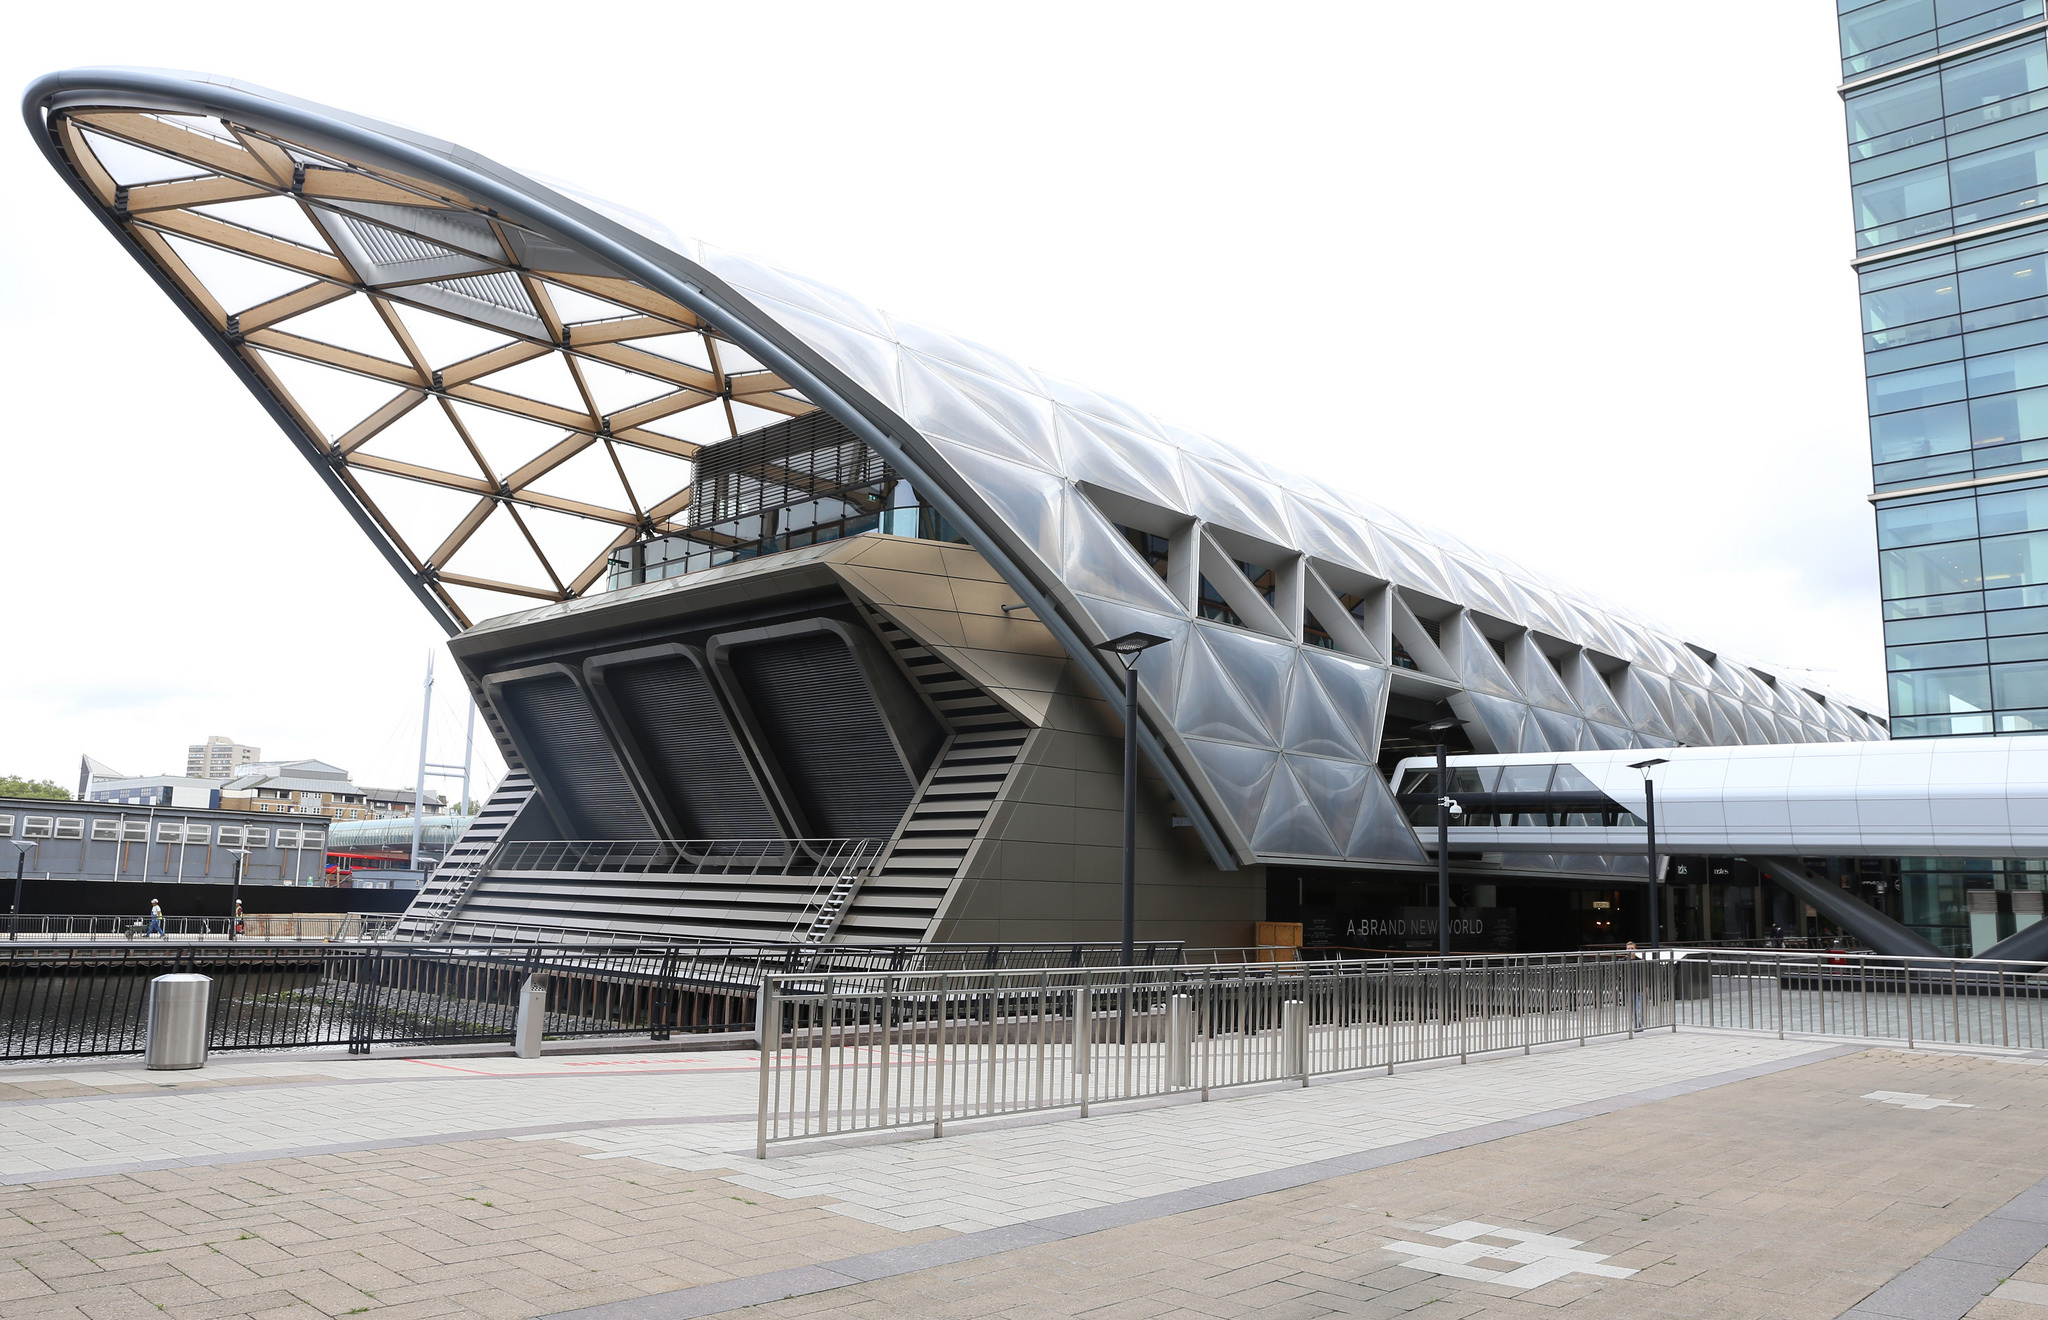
{"points": [[1928, 797]]}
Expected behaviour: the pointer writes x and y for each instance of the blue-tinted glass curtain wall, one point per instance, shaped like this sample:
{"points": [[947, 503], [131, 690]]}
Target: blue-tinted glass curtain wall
{"points": [[1947, 105]]}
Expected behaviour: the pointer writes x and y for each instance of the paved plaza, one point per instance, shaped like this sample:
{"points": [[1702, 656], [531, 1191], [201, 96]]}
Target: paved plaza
{"points": [[1699, 1173]]}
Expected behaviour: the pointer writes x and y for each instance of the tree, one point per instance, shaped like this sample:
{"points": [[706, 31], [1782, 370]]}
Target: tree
{"points": [[32, 788]]}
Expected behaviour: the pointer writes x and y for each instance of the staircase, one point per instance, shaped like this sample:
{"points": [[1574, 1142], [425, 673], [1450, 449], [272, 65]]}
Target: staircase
{"points": [[900, 899], [831, 911], [441, 898]]}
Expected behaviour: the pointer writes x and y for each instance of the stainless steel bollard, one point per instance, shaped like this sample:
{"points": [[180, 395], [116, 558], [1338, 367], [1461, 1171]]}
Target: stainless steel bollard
{"points": [[1180, 1041], [1294, 1040], [177, 1021], [531, 1019]]}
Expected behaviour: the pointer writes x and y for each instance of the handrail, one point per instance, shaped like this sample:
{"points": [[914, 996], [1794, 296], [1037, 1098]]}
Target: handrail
{"points": [[256, 926], [804, 857], [846, 1052]]}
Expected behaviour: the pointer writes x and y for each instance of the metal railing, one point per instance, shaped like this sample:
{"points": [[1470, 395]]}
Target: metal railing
{"points": [[850, 957], [65, 1000], [317, 927], [692, 856], [1915, 1001], [1835, 943], [68, 1001], [869, 1052], [849, 1053]]}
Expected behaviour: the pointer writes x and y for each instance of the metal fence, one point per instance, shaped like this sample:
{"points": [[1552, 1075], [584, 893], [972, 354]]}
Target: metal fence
{"points": [[692, 856], [864, 1052], [68, 1000], [1916, 1001], [793, 955], [868, 1052], [255, 926]]}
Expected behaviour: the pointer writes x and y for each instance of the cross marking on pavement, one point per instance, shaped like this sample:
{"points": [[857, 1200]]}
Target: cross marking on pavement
{"points": [[1914, 1100], [1539, 1258]]}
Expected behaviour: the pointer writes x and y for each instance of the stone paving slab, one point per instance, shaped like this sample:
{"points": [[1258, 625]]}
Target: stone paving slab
{"points": [[1630, 1178], [1788, 1195], [986, 1179]]}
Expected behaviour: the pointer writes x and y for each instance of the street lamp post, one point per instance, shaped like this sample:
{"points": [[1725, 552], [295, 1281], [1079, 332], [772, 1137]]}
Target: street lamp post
{"points": [[1445, 806], [1650, 830], [1128, 648], [22, 847], [235, 894]]}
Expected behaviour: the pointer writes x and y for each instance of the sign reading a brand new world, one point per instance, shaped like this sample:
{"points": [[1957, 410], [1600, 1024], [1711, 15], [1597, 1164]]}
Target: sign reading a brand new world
{"points": [[1472, 928]]}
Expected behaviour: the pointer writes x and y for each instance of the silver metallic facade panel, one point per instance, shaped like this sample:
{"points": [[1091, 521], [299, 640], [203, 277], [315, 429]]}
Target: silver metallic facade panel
{"points": [[1277, 734]]}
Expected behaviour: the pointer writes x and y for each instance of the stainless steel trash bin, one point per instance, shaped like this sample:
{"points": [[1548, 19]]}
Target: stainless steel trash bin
{"points": [[177, 1021]]}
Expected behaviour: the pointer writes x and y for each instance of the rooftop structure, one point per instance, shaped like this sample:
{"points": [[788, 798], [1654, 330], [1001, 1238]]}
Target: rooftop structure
{"points": [[156, 790], [219, 758], [316, 788]]}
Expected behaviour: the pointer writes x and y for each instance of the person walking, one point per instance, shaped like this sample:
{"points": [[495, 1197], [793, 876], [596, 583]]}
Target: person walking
{"points": [[238, 916], [156, 917]]}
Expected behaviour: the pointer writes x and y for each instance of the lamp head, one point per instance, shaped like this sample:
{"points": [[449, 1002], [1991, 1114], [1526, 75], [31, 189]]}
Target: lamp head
{"points": [[1443, 726], [1130, 646], [1646, 766]]}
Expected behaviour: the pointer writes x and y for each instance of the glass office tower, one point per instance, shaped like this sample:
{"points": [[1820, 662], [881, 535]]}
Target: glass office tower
{"points": [[1947, 106]]}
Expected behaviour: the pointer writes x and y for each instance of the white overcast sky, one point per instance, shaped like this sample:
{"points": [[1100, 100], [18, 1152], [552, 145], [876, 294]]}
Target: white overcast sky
{"points": [[1569, 280]]}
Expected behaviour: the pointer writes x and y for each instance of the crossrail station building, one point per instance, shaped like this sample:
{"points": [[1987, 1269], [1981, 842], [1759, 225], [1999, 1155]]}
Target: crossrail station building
{"points": [[788, 614]]}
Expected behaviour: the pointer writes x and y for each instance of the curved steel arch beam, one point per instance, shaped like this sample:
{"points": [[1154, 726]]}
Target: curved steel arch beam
{"points": [[502, 193]]}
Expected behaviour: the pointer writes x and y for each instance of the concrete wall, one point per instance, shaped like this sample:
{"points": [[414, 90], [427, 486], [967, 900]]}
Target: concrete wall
{"points": [[1050, 866]]}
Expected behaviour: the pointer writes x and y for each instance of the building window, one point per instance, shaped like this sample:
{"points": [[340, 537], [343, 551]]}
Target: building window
{"points": [[255, 836], [37, 827], [135, 831], [230, 836], [1263, 580], [71, 827], [1151, 547], [198, 833], [1210, 605], [106, 831], [6, 827]]}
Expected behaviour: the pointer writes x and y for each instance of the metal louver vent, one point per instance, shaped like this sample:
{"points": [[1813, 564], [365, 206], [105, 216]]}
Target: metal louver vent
{"points": [[806, 458], [589, 793], [497, 289], [389, 247], [822, 727], [676, 720]]}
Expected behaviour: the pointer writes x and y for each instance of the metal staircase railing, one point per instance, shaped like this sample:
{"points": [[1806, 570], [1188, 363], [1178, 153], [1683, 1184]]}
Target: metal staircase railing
{"points": [[441, 899], [826, 914]]}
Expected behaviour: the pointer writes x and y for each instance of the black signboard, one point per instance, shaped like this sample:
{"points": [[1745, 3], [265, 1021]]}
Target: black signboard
{"points": [[1473, 929]]}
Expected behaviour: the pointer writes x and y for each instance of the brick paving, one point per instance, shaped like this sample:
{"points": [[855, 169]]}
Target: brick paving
{"points": [[1788, 1194], [1785, 1196], [485, 1228]]}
